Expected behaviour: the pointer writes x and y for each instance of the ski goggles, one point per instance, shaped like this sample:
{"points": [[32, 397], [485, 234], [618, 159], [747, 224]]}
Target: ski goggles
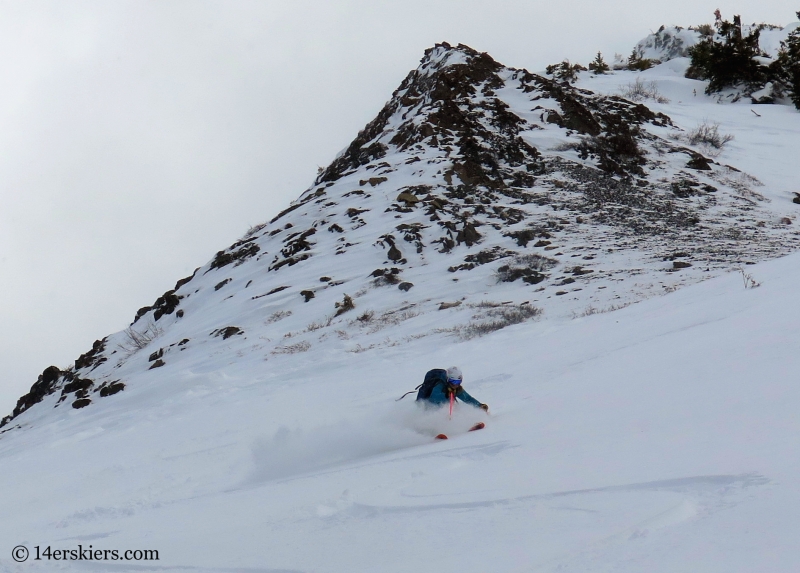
{"points": [[454, 382]]}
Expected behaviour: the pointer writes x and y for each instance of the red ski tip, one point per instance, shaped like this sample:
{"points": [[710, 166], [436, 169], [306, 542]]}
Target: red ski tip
{"points": [[478, 426], [441, 437]]}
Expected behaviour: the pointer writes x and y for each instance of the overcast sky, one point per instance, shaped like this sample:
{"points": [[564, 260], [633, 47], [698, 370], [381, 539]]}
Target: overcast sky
{"points": [[139, 138]]}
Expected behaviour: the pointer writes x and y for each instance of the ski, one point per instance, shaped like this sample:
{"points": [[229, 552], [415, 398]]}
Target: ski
{"points": [[478, 426]]}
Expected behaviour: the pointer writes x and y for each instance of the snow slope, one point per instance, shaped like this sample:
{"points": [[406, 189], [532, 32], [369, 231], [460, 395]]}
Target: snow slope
{"points": [[661, 437], [568, 249], [764, 142]]}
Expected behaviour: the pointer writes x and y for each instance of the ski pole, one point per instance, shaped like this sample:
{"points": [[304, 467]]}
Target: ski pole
{"points": [[452, 399]]}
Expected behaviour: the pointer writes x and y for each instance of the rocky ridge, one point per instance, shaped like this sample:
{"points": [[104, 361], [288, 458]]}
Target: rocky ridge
{"points": [[481, 196]]}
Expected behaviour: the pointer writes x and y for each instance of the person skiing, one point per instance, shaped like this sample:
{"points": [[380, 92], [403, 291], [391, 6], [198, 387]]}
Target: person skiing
{"points": [[440, 384]]}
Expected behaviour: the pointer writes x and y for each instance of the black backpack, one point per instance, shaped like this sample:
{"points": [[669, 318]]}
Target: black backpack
{"points": [[432, 378]]}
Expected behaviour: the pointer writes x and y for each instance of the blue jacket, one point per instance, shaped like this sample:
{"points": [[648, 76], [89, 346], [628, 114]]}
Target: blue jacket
{"points": [[440, 398]]}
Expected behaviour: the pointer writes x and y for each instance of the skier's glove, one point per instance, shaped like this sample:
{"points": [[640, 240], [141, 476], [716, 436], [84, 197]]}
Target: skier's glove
{"points": [[485, 407]]}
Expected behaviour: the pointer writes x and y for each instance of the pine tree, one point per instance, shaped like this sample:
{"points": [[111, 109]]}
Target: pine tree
{"points": [[788, 65], [638, 63], [599, 66], [728, 63]]}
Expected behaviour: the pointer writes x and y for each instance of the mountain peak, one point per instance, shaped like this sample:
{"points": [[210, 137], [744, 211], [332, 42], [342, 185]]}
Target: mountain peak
{"points": [[434, 107], [443, 55]]}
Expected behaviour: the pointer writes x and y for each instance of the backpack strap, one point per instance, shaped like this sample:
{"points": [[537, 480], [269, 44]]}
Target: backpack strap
{"points": [[409, 392]]}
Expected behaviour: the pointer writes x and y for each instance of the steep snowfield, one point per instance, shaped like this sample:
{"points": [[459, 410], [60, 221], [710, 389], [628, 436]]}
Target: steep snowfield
{"points": [[661, 437]]}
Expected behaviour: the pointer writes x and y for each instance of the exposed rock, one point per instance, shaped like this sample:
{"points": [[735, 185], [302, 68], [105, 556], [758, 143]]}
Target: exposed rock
{"points": [[227, 332], [44, 386], [374, 181], [237, 253], [352, 212], [386, 276], [524, 236], [394, 254], [284, 213], [530, 268], [405, 286], [141, 312], [291, 261], [165, 304], [508, 274], [468, 235], [359, 153], [77, 385], [93, 358], [412, 233], [297, 242], [409, 198], [112, 388], [307, 294], [185, 280], [699, 163]]}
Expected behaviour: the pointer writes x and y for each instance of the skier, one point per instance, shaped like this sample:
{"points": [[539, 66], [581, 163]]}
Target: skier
{"points": [[440, 384], [443, 386]]}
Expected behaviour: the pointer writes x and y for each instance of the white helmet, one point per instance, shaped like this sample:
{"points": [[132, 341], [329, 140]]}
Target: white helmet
{"points": [[454, 375]]}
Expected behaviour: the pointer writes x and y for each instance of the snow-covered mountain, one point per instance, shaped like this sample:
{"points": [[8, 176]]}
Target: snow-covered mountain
{"points": [[480, 196], [482, 218]]}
